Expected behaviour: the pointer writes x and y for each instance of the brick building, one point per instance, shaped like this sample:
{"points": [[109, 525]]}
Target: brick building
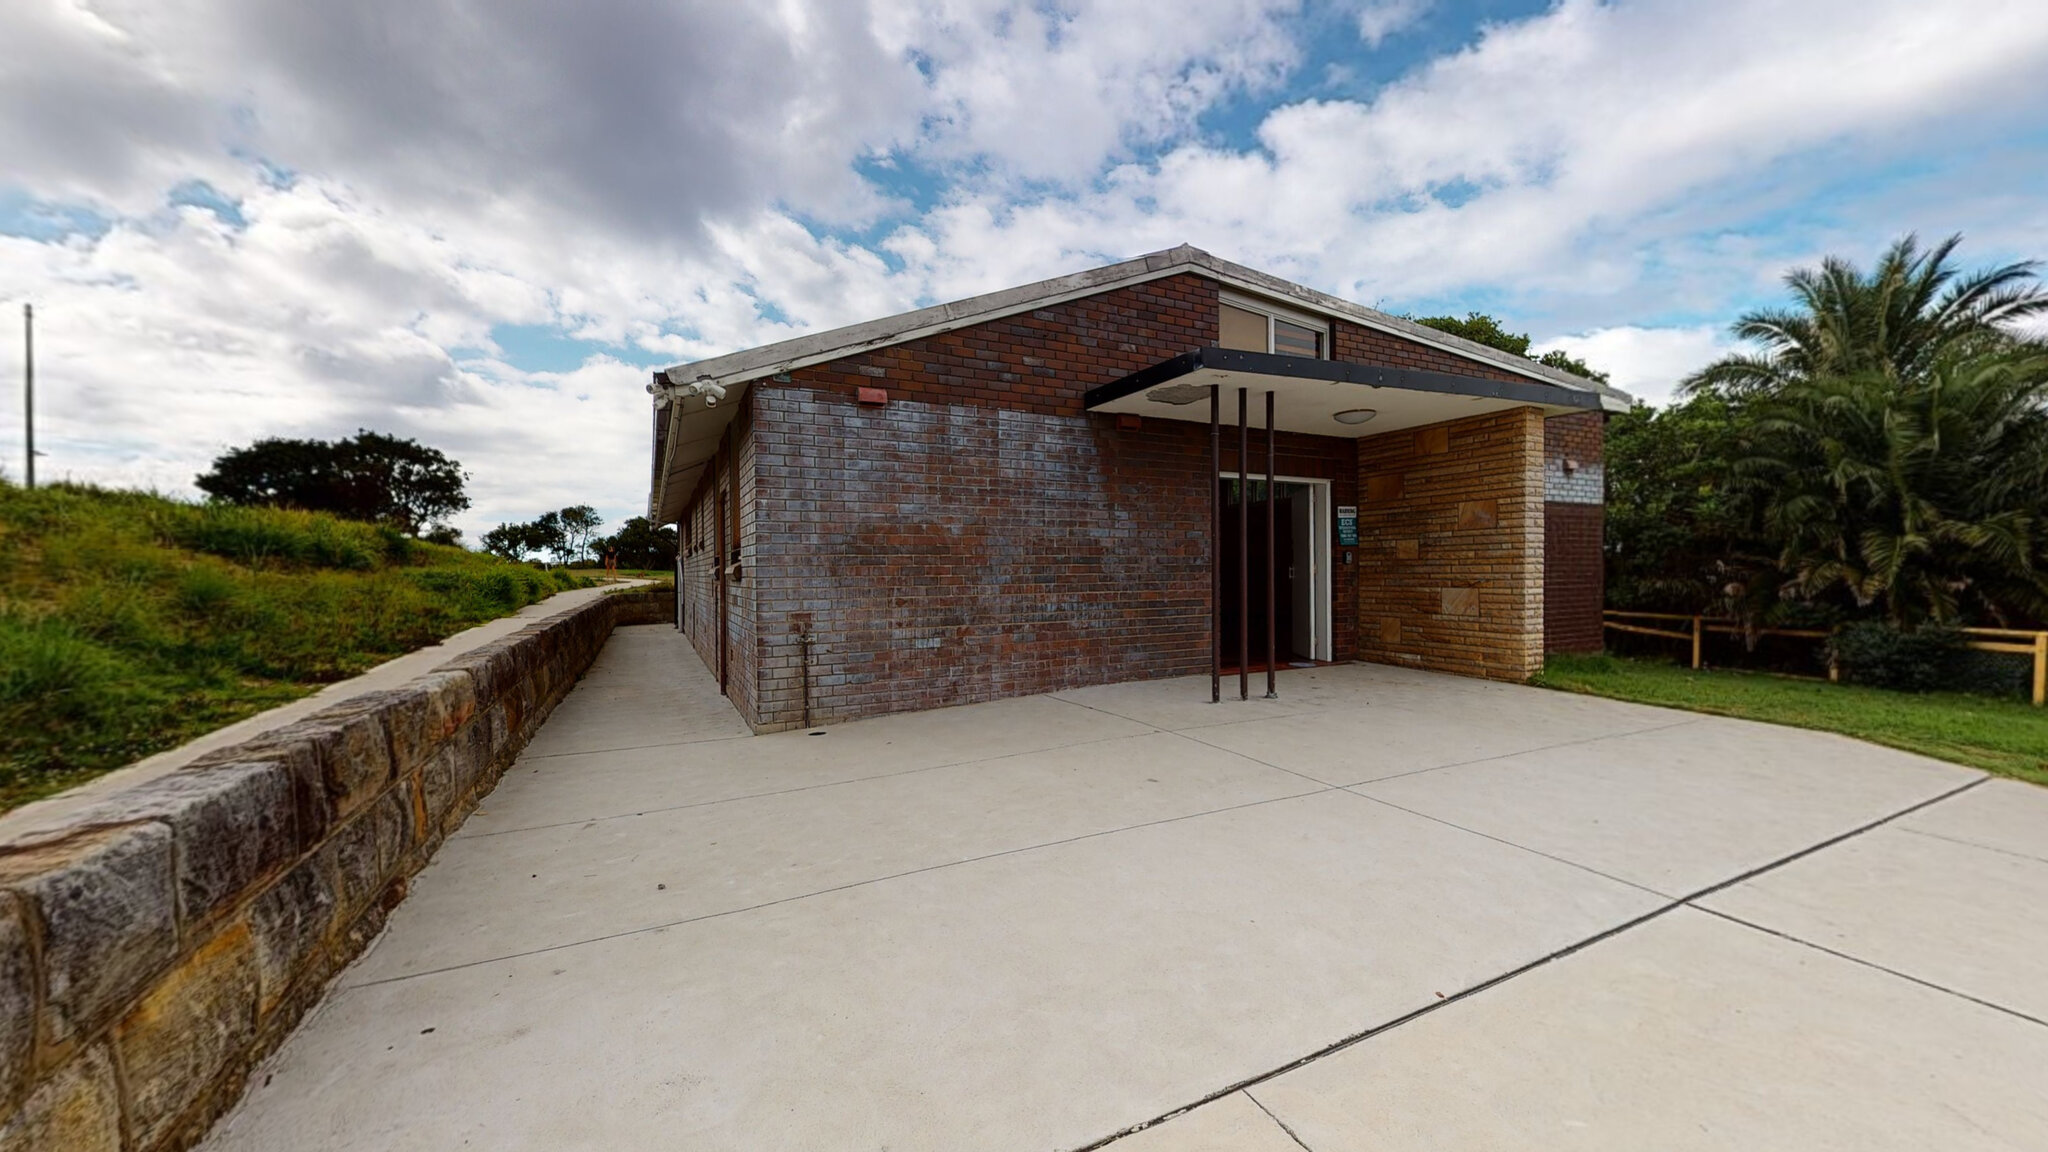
{"points": [[1040, 488]]}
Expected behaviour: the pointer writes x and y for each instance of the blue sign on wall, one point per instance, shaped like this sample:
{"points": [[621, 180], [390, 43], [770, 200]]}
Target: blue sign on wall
{"points": [[1347, 525]]}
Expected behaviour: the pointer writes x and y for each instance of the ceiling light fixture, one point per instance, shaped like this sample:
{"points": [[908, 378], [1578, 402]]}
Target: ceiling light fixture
{"points": [[1355, 415]]}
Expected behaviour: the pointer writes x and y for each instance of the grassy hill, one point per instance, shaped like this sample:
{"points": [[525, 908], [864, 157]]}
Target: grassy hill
{"points": [[130, 623]]}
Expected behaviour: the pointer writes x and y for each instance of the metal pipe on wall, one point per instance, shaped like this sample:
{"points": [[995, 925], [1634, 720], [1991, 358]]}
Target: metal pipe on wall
{"points": [[1244, 548], [1215, 544], [1272, 585]]}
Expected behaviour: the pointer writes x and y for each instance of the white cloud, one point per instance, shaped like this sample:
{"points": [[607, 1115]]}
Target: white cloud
{"points": [[1049, 93], [1565, 153], [1647, 363], [1379, 19], [655, 178]]}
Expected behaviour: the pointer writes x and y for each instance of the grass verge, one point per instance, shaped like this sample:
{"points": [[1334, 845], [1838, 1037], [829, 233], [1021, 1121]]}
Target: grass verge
{"points": [[2008, 737], [131, 623]]}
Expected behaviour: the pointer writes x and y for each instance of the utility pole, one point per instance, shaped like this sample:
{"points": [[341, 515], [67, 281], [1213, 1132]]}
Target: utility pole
{"points": [[28, 392]]}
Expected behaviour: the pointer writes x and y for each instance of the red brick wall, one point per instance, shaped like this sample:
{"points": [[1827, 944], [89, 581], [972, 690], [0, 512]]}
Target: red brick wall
{"points": [[701, 551], [1574, 585], [980, 535], [1042, 361], [946, 554], [1356, 344]]}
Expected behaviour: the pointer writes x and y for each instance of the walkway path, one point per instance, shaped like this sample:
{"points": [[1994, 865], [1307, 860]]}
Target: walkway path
{"points": [[1390, 910]]}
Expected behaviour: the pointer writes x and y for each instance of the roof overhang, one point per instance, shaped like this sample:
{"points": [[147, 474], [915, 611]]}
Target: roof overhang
{"points": [[854, 339], [687, 432], [677, 466], [1308, 394]]}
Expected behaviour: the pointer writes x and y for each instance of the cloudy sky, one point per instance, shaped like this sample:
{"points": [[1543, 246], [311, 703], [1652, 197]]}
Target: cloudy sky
{"points": [[481, 222]]}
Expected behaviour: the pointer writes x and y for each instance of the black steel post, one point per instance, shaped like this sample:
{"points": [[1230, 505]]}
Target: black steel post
{"points": [[1272, 585], [1215, 545], [1244, 548]]}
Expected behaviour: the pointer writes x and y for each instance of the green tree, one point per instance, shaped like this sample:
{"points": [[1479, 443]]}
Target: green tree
{"points": [[370, 476], [1910, 313], [1681, 534], [1894, 435], [506, 541], [1481, 328], [543, 534], [580, 523], [640, 544]]}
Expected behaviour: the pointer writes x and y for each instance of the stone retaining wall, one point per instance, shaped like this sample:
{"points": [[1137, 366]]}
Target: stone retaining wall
{"points": [[170, 936]]}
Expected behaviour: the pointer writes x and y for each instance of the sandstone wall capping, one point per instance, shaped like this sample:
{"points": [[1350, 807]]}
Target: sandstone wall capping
{"points": [[167, 937]]}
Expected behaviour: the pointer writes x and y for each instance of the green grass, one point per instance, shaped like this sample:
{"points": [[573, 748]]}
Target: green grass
{"points": [[597, 573], [2009, 737], [130, 623]]}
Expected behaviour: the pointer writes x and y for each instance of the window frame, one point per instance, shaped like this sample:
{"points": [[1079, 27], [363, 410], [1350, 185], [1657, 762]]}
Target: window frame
{"points": [[1325, 331]]}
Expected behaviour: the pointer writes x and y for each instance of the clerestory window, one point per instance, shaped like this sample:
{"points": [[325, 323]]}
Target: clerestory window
{"points": [[1254, 326]]}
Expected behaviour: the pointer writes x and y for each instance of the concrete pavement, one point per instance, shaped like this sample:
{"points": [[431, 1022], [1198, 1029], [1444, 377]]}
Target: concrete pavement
{"points": [[1390, 910]]}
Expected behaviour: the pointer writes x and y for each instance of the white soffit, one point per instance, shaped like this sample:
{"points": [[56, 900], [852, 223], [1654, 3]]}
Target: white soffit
{"points": [[1310, 406]]}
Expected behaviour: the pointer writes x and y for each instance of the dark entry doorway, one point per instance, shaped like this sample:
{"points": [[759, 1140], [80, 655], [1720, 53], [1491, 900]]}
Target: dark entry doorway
{"points": [[1292, 575]]}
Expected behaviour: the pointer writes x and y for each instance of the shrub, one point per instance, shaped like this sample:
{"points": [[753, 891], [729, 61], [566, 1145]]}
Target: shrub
{"points": [[1992, 673], [274, 537], [1922, 659]]}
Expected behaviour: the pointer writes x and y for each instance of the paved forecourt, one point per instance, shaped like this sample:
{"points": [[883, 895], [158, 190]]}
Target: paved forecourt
{"points": [[1040, 923]]}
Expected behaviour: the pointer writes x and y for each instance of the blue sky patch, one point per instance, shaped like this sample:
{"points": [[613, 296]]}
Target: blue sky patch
{"points": [[549, 348], [200, 194], [48, 221]]}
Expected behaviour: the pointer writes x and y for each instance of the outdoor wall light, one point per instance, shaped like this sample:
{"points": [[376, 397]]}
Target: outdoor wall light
{"points": [[1355, 415], [703, 388]]}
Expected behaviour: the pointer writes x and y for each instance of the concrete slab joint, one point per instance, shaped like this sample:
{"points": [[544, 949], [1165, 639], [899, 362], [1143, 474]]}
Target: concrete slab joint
{"points": [[177, 928]]}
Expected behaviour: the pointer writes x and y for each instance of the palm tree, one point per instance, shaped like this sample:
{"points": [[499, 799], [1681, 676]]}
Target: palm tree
{"points": [[1898, 319], [1896, 437]]}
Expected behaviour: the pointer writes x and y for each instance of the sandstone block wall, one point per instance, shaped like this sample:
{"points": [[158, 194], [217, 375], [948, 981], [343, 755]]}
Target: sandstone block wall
{"points": [[167, 937], [1451, 535]]}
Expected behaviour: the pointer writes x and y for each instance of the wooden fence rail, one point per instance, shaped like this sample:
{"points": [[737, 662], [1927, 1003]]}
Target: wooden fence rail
{"points": [[2017, 641]]}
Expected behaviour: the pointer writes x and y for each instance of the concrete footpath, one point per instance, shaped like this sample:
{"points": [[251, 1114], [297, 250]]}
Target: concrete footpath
{"points": [[1390, 910]]}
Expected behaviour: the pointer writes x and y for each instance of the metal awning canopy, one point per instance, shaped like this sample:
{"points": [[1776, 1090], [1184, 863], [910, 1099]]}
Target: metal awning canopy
{"points": [[1307, 394]]}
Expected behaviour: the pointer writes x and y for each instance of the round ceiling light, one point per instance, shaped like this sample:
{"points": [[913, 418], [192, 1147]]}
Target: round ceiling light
{"points": [[1355, 415]]}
